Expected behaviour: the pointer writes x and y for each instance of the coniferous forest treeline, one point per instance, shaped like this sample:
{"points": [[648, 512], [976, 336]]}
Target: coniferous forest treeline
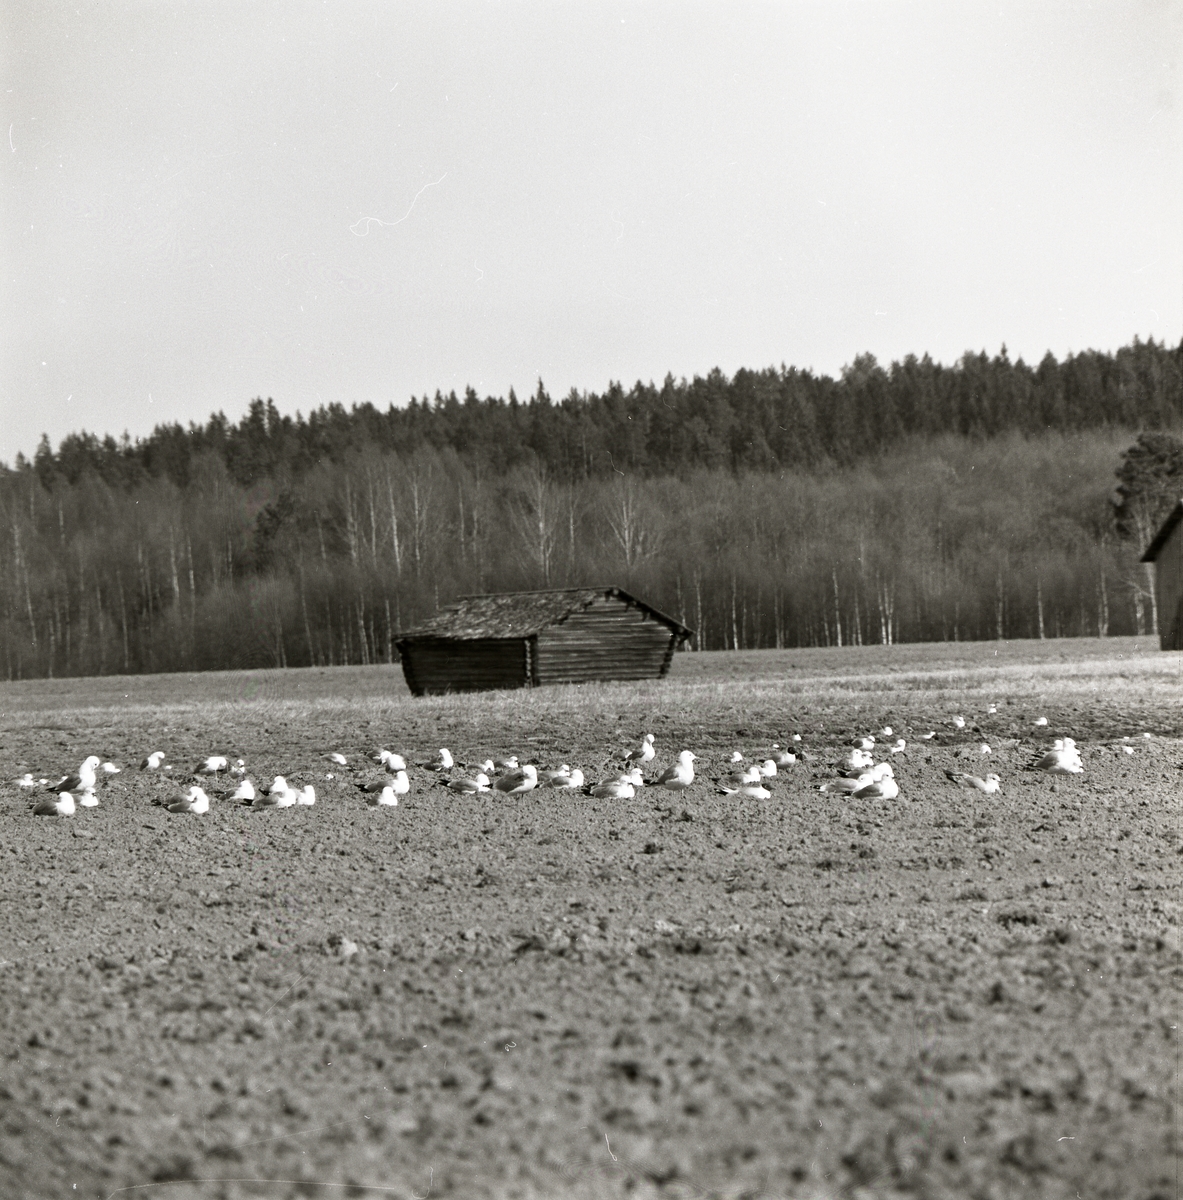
{"points": [[776, 508]]}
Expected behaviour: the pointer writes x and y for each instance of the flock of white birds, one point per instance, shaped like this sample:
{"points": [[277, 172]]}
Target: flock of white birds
{"points": [[859, 776]]}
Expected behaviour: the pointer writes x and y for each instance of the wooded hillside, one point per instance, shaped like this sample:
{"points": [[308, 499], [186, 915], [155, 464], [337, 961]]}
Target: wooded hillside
{"points": [[777, 508]]}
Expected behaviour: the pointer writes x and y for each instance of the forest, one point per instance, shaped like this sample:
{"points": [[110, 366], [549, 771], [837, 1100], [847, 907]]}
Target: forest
{"points": [[777, 508]]}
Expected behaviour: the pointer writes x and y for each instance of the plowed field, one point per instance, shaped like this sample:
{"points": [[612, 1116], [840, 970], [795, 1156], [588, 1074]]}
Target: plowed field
{"points": [[683, 995]]}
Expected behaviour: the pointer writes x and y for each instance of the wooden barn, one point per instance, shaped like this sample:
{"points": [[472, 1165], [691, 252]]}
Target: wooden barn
{"points": [[1166, 552], [523, 639]]}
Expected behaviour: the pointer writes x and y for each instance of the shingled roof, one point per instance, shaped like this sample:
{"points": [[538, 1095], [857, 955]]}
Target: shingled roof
{"points": [[522, 614]]}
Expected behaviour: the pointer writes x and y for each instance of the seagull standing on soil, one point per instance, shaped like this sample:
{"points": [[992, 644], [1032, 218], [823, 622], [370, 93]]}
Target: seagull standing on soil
{"points": [[61, 805], [644, 754], [988, 785], [681, 775], [85, 779], [153, 761]]}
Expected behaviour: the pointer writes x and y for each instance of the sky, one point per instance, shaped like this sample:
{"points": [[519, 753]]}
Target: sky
{"points": [[344, 202]]}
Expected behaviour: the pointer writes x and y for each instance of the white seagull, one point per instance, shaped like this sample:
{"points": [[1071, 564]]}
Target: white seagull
{"points": [[783, 758], [524, 779], [1062, 759], [856, 760], [988, 785], [85, 779], [339, 759], [61, 805], [467, 787], [394, 763], [754, 791], [863, 743], [847, 784], [109, 768], [193, 801], [87, 798], [899, 747], [506, 764], [153, 761], [681, 775], [385, 797], [882, 789], [959, 722], [768, 768], [442, 762], [211, 765], [613, 789], [644, 754], [736, 757], [886, 731], [26, 780], [1041, 720], [244, 791], [573, 779]]}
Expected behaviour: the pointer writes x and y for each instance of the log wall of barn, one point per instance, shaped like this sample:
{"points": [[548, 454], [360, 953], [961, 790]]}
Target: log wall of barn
{"points": [[438, 666], [607, 640], [1168, 586]]}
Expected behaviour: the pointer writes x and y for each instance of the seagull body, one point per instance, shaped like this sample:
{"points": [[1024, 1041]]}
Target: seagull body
{"points": [[244, 791], [741, 778], [478, 783], [783, 758], [211, 765], [61, 805], [881, 789], [864, 743], [847, 785], [109, 768], [239, 768], [767, 768], [278, 784], [515, 783], [754, 791], [339, 759], [506, 764], [988, 785], [984, 749], [153, 761], [1041, 720], [959, 722], [681, 775], [573, 779], [1062, 759], [644, 754], [394, 763], [26, 780], [193, 801], [385, 797], [85, 779], [856, 760], [886, 731], [899, 746], [882, 770], [544, 777], [736, 757], [87, 798], [306, 795], [613, 789], [929, 735]]}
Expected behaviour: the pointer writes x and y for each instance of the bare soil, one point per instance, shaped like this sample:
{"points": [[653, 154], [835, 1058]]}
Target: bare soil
{"points": [[946, 995]]}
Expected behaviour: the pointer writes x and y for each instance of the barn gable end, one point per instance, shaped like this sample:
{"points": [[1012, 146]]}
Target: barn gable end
{"points": [[1166, 552], [518, 639]]}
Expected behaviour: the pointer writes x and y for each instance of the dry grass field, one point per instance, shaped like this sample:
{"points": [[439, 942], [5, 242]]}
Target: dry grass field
{"points": [[683, 995]]}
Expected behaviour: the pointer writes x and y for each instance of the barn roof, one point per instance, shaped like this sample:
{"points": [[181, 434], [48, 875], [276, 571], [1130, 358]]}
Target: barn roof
{"points": [[523, 614], [1163, 535]]}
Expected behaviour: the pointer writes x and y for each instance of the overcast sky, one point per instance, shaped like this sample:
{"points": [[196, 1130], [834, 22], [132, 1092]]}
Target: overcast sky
{"points": [[344, 202]]}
